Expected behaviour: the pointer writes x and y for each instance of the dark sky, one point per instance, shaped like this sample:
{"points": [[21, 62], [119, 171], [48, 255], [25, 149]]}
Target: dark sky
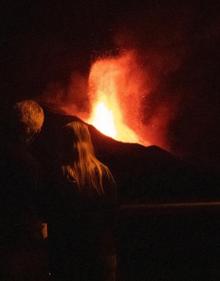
{"points": [[179, 41]]}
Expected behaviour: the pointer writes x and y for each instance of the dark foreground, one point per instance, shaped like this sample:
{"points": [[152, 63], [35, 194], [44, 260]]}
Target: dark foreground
{"points": [[170, 242], [165, 242]]}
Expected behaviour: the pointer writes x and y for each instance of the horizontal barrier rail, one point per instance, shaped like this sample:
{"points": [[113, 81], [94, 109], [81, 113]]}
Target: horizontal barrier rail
{"points": [[169, 207]]}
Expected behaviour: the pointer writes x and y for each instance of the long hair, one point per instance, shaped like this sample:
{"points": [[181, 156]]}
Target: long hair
{"points": [[79, 163]]}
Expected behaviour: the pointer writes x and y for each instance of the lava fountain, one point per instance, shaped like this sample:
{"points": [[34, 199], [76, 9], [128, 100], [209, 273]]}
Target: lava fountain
{"points": [[116, 98], [112, 103]]}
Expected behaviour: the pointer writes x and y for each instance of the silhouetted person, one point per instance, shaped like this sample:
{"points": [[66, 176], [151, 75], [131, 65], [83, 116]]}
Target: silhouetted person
{"points": [[20, 233], [81, 200]]}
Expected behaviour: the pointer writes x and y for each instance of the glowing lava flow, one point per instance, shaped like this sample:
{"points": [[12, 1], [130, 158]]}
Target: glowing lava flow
{"points": [[107, 114], [103, 120]]}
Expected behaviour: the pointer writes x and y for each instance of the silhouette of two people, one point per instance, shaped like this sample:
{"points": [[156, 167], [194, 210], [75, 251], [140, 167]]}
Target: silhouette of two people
{"points": [[76, 197]]}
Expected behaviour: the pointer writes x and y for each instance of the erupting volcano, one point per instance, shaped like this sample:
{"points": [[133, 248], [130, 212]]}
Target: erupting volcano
{"points": [[113, 98], [116, 98]]}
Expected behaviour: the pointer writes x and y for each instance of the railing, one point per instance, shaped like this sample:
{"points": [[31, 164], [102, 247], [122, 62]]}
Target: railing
{"points": [[169, 207]]}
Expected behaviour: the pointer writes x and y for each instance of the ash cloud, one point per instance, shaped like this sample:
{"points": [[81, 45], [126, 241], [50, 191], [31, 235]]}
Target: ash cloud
{"points": [[176, 44], [69, 97]]}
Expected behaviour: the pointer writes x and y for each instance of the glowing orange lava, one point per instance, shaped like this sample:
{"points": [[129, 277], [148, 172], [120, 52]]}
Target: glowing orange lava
{"points": [[103, 120], [104, 91]]}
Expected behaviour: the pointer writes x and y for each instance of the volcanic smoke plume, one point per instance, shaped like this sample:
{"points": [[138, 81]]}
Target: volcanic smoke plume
{"points": [[114, 99]]}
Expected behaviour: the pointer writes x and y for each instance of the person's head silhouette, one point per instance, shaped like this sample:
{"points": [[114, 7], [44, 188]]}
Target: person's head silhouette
{"points": [[27, 120]]}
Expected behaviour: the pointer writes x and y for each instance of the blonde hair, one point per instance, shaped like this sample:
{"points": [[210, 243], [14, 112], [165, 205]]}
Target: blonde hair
{"points": [[84, 169]]}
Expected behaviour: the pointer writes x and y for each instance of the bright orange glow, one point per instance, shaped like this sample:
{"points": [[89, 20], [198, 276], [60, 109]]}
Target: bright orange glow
{"points": [[118, 98], [103, 119], [104, 91]]}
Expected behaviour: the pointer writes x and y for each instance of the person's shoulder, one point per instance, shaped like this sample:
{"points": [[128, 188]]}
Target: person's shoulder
{"points": [[109, 184], [107, 175]]}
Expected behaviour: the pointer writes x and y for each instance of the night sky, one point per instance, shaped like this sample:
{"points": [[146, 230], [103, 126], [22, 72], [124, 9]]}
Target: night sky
{"points": [[178, 41]]}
